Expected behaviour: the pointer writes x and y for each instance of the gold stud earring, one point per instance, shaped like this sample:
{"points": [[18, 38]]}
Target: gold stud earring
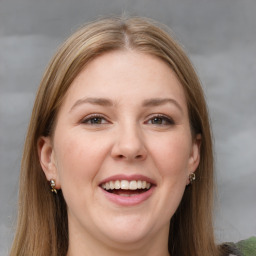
{"points": [[192, 177], [53, 185]]}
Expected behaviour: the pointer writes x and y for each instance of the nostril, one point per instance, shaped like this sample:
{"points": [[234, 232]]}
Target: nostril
{"points": [[122, 151], [137, 157]]}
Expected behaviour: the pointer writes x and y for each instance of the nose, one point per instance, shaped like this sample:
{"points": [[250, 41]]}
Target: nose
{"points": [[129, 145]]}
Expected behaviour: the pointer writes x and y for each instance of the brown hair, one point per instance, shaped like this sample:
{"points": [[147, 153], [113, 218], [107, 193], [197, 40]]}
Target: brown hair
{"points": [[42, 219]]}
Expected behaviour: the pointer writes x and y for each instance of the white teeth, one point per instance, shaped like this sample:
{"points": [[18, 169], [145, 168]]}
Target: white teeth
{"points": [[111, 185], [117, 184], [133, 185], [126, 185], [124, 195]]}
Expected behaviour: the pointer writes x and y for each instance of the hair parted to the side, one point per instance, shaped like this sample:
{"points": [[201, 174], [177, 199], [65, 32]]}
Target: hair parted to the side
{"points": [[42, 227]]}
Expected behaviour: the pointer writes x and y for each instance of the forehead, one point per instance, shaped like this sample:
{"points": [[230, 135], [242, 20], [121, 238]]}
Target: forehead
{"points": [[126, 74]]}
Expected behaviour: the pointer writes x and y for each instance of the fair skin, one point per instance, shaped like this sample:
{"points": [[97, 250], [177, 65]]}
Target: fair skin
{"points": [[124, 118]]}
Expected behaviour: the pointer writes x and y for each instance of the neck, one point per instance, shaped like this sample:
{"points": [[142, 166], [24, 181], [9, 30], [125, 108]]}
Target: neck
{"points": [[86, 245]]}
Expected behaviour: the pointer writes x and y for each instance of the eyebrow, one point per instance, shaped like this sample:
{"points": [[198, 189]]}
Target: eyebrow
{"points": [[161, 101], [94, 101], [109, 103]]}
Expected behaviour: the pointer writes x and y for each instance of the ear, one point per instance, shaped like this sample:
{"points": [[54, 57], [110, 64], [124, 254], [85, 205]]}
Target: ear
{"points": [[47, 159], [194, 158]]}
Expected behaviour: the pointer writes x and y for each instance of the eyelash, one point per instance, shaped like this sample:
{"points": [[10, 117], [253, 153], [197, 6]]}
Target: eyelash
{"points": [[91, 117], [162, 118], [166, 119]]}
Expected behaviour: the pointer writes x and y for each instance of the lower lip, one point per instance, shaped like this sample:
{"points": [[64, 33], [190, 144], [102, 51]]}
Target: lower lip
{"points": [[128, 200]]}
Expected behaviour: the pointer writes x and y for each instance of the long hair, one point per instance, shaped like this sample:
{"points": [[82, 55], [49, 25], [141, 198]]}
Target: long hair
{"points": [[42, 227]]}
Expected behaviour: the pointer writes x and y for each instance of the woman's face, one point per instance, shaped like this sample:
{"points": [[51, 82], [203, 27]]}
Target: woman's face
{"points": [[122, 149]]}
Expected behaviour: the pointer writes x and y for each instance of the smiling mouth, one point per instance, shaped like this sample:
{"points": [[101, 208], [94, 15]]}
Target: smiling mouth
{"points": [[126, 188]]}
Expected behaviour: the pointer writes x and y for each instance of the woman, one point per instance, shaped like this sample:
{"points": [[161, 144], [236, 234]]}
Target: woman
{"points": [[118, 157]]}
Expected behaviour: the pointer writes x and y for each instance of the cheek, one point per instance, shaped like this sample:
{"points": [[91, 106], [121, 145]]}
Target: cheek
{"points": [[78, 159], [171, 155]]}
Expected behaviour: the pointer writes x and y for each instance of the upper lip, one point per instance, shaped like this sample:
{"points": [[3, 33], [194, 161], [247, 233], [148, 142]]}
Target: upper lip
{"points": [[129, 178]]}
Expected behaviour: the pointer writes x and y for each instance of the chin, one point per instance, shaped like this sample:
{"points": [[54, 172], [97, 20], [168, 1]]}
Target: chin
{"points": [[127, 237], [127, 230]]}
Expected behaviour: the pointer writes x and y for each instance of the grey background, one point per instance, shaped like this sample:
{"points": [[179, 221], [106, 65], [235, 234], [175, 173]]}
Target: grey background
{"points": [[220, 37]]}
